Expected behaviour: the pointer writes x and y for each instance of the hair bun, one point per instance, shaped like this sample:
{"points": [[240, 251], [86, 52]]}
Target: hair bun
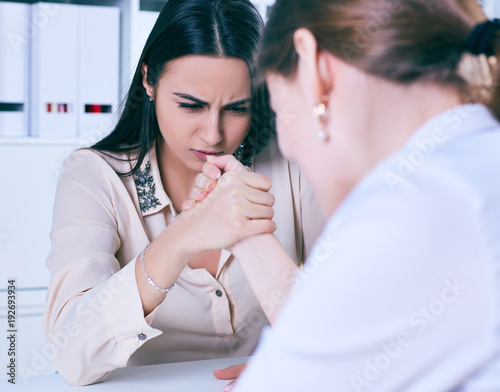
{"points": [[480, 39]]}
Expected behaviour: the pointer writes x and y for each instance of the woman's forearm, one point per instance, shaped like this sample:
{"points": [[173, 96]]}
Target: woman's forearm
{"points": [[269, 270], [164, 260]]}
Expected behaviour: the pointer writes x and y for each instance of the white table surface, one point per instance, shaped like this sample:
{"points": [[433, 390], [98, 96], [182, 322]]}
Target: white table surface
{"points": [[196, 376]]}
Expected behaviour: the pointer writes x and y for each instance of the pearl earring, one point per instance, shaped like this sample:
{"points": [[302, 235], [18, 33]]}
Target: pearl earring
{"points": [[321, 135], [319, 112]]}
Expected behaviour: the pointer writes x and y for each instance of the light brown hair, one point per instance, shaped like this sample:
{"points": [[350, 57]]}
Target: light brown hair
{"points": [[404, 41]]}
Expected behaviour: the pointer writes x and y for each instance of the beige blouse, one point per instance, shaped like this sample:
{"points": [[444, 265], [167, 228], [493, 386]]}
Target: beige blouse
{"points": [[94, 318]]}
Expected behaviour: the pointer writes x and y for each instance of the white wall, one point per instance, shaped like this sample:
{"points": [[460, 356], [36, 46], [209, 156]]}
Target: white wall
{"points": [[491, 7]]}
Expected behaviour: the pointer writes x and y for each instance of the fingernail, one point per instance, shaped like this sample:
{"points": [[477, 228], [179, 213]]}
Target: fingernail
{"points": [[210, 186], [216, 174], [188, 205], [228, 387], [201, 194]]}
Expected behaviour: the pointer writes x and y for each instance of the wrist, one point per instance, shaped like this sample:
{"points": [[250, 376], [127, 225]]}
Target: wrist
{"points": [[149, 279], [250, 245], [182, 247]]}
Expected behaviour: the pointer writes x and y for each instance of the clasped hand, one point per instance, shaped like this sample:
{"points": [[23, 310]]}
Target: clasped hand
{"points": [[229, 203]]}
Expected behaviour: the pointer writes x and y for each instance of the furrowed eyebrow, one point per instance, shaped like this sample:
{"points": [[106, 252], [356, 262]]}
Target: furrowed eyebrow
{"points": [[238, 103], [191, 98], [201, 102]]}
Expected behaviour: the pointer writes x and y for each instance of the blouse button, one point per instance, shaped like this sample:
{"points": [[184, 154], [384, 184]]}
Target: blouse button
{"points": [[218, 293], [141, 336]]}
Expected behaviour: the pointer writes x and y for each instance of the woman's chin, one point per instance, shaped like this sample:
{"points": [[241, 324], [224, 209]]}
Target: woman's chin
{"points": [[195, 165]]}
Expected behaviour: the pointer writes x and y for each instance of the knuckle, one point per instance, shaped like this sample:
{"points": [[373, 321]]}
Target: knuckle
{"points": [[268, 226], [215, 192], [232, 176], [206, 168], [205, 182], [199, 180], [265, 181], [236, 227], [235, 210], [226, 179], [234, 195]]}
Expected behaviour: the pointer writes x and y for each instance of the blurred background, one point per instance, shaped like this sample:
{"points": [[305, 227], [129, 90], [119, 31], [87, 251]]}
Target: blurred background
{"points": [[64, 69]]}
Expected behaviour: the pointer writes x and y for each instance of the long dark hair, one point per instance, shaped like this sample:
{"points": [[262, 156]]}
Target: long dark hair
{"points": [[221, 28]]}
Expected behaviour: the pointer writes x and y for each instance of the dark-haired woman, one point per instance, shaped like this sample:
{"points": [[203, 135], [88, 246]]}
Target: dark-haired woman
{"points": [[133, 279], [397, 129]]}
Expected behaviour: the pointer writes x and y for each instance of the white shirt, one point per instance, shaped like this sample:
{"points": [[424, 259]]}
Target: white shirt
{"points": [[402, 289]]}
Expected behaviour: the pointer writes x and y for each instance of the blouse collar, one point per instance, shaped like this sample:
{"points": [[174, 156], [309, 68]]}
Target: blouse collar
{"points": [[150, 190]]}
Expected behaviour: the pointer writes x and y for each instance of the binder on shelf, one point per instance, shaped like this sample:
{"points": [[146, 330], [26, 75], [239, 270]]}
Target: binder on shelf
{"points": [[98, 70], [14, 71], [54, 59]]}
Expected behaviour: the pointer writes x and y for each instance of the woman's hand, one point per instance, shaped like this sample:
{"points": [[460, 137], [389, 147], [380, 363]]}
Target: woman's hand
{"points": [[239, 206], [207, 180], [230, 373]]}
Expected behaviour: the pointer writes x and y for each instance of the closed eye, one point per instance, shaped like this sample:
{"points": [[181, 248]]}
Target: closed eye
{"points": [[238, 109], [191, 107]]}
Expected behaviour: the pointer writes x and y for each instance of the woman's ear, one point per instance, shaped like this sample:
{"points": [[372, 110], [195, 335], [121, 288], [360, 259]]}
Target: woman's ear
{"points": [[325, 70], [305, 45], [314, 65], [149, 89]]}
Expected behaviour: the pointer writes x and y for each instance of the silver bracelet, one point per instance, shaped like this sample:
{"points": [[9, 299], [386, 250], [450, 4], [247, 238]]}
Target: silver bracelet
{"points": [[149, 278]]}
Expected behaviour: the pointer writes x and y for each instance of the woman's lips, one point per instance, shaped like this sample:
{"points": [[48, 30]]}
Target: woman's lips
{"points": [[203, 154]]}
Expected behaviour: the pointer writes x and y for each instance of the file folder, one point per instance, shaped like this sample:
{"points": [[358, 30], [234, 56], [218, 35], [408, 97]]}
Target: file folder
{"points": [[14, 71], [54, 54], [98, 70]]}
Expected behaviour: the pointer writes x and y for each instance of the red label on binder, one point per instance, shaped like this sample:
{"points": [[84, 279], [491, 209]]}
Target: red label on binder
{"points": [[92, 108], [52, 107]]}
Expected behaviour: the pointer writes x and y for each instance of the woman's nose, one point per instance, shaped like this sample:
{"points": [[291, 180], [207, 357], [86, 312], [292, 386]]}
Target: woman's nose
{"points": [[212, 134]]}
